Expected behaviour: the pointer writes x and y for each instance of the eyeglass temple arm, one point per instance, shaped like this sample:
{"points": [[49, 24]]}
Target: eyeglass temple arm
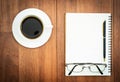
{"points": [[72, 70], [99, 70]]}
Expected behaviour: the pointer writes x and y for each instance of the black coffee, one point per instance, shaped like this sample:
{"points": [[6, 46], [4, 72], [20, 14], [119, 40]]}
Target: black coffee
{"points": [[31, 27]]}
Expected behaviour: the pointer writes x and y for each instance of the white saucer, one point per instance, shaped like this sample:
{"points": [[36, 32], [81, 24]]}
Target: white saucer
{"points": [[39, 41]]}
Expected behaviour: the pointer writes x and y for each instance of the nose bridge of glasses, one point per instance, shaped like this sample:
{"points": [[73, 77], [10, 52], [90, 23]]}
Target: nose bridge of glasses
{"points": [[86, 66]]}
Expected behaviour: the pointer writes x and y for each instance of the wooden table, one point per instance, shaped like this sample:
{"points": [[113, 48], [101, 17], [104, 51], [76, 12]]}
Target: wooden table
{"points": [[46, 63]]}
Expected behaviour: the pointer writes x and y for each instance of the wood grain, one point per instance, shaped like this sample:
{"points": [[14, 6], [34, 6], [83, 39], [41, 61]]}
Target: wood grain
{"points": [[116, 40], [39, 64], [46, 63], [9, 58], [8, 10]]}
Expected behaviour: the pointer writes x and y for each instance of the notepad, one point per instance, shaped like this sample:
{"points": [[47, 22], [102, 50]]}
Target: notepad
{"points": [[85, 44]]}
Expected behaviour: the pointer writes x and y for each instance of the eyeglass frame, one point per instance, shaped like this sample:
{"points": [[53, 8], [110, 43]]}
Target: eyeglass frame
{"points": [[76, 64]]}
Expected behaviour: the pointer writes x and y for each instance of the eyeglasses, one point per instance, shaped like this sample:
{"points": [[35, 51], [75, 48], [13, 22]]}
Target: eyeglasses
{"points": [[79, 67]]}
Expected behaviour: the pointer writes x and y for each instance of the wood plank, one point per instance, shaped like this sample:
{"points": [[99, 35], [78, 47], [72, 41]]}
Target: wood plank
{"points": [[116, 40], [94, 6], [40, 64], [61, 9], [8, 11], [50, 64], [77, 6], [9, 63], [28, 65]]}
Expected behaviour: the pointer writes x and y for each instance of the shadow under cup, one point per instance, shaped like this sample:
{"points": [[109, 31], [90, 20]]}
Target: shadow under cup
{"points": [[31, 27]]}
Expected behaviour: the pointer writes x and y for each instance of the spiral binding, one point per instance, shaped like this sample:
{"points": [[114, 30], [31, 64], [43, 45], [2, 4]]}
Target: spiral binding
{"points": [[109, 42]]}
